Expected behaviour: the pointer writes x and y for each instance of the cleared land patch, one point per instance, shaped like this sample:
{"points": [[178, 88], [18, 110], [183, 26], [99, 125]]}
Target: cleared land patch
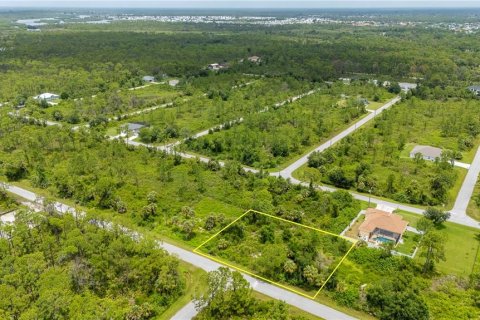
{"points": [[297, 257]]}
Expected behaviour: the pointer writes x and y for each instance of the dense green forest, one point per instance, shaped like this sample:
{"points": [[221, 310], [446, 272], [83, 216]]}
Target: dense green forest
{"points": [[55, 266], [95, 60], [58, 267]]}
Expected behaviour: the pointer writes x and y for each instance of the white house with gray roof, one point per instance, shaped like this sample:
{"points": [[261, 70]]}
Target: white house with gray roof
{"points": [[405, 86], [47, 96], [428, 153], [134, 127], [475, 89], [148, 79]]}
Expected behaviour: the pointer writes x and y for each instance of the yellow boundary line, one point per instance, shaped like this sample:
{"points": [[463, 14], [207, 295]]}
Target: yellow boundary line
{"points": [[250, 273], [331, 274], [197, 250]]}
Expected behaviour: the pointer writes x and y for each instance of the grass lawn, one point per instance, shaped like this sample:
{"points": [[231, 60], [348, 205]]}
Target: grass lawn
{"points": [[410, 242], [460, 249], [473, 209], [375, 105], [195, 282]]}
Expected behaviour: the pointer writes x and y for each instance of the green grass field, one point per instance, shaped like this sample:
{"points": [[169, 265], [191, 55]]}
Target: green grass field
{"points": [[460, 249]]}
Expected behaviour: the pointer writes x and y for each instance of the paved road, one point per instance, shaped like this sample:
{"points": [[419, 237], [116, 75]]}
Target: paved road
{"points": [[466, 191], [458, 213], [275, 292], [208, 265], [287, 172], [186, 313]]}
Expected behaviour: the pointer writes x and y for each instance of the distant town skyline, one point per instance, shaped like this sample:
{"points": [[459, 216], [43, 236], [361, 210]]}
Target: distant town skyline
{"points": [[242, 3]]}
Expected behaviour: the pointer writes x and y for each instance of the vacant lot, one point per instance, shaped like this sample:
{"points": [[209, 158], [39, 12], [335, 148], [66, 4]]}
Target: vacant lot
{"points": [[279, 250]]}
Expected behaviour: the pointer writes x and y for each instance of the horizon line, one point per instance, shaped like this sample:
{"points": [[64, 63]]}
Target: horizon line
{"points": [[234, 7]]}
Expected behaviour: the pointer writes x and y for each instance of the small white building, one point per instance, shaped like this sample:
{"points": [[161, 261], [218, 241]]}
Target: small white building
{"points": [[405, 86], [47, 96], [345, 80], [428, 153], [475, 90], [148, 79], [134, 127], [214, 66], [174, 82], [254, 59], [8, 218]]}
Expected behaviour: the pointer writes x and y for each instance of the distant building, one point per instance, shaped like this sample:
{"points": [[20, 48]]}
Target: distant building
{"points": [[47, 96], [254, 59], [148, 79], [475, 90], [214, 66], [173, 82], [427, 152], [382, 227], [217, 66], [405, 86], [8, 217], [135, 127], [345, 80], [363, 101]]}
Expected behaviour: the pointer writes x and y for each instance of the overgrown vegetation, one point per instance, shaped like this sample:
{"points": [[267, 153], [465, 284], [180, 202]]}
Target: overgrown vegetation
{"points": [[267, 139], [54, 266], [376, 159]]}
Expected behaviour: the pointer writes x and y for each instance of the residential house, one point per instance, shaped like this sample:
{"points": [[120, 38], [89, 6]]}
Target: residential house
{"points": [[381, 227], [345, 80], [475, 89], [148, 79], [214, 67], [405, 86], [47, 96], [427, 152], [173, 82], [135, 127], [254, 59]]}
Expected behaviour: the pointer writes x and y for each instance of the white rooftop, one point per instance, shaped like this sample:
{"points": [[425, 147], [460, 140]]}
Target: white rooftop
{"points": [[46, 96]]}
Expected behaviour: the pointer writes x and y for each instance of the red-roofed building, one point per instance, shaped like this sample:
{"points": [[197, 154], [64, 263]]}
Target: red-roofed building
{"points": [[381, 226]]}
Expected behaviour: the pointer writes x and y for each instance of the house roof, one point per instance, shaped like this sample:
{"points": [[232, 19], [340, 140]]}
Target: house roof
{"points": [[135, 126], [173, 82], [407, 86], [427, 151], [47, 96], [476, 88], [148, 78], [378, 219]]}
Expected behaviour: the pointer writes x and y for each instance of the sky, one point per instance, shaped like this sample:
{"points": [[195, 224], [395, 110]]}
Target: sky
{"points": [[241, 3]]}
